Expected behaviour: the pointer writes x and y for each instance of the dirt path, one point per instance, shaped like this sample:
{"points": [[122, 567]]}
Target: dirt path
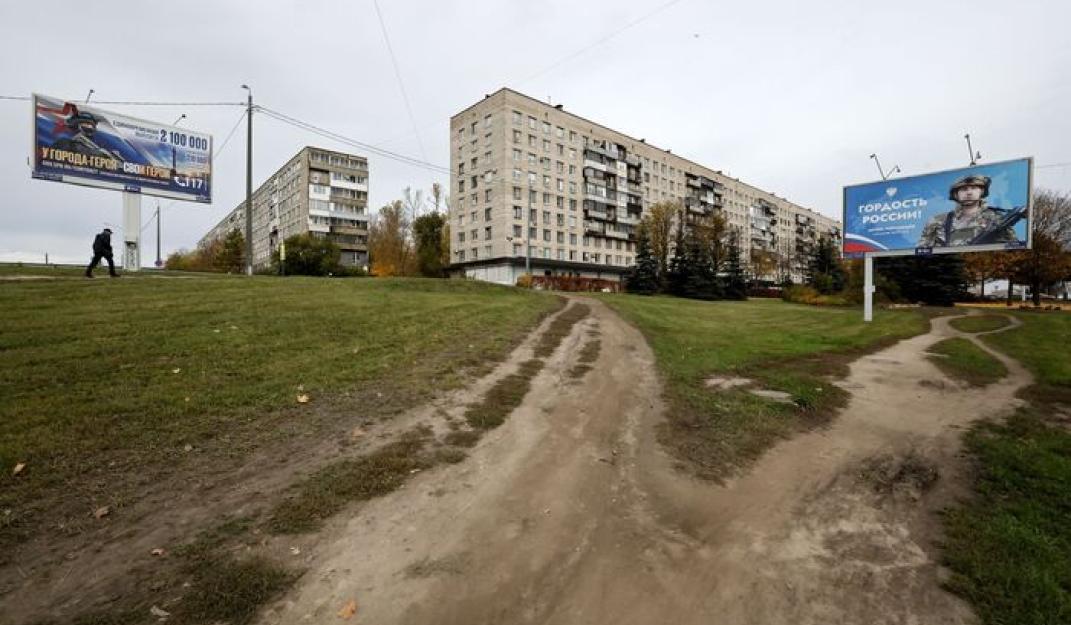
{"points": [[571, 512]]}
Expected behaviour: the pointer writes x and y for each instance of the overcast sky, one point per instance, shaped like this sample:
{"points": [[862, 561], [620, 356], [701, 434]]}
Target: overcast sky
{"points": [[790, 96]]}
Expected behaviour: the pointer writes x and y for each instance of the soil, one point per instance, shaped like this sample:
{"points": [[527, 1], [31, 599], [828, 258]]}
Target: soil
{"points": [[572, 513]]}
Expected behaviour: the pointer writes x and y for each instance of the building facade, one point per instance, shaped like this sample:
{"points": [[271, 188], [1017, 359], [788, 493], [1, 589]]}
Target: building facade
{"points": [[536, 185], [319, 192]]}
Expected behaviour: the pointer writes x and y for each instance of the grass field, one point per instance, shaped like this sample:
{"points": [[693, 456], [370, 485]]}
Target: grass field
{"points": [[785, 347], [960, 359], [106, 382], [1010, 546], [979, 323]]}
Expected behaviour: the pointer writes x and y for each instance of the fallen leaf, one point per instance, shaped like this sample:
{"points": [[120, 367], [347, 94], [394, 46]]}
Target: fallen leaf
{"points": [[188, 448], [18, 468], [348, 610], [102, 512], [357, 433], [294, 551], [234, 327], [303, 398], [176, 370], [216, 330], [187, 399], [300, 387], [155, 611], [158, 552]]}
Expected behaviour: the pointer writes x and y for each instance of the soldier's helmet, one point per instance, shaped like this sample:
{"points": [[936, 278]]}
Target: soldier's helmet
{"points": [[969, 181], [82, 121]]}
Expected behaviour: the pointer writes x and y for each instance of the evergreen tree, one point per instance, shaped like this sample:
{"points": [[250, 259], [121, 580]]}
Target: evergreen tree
{"points": [[642, 278], [735, 280], [824, 270], [428, 233], [937, 280], [679, 269], [231, 256], [700, 281]]}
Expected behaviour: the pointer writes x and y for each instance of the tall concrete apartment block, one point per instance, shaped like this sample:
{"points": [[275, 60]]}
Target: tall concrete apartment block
{"points": [[535, 184], [320, 192]]}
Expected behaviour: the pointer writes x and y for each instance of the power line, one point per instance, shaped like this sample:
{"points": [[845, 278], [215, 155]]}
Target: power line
{"points": [[133, 102], [401, 85], [600, 41], [408, 160]]}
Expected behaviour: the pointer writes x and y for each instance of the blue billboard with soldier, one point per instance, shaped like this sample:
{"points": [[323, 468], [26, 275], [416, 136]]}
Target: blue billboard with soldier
{"points": [[983, 207]]}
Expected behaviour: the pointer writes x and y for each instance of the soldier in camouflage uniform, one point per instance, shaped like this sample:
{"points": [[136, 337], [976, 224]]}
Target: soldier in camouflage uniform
{"points": [[970, 219]]}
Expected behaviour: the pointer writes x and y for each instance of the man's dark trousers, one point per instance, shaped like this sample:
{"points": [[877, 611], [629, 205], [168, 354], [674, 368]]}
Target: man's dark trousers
{"points": [[96, 261]]}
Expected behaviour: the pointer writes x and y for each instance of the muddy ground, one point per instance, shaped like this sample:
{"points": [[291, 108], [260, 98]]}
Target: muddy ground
{"points": [[572, 513]]}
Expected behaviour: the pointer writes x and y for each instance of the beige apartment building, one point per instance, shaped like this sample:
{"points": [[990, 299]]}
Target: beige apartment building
{"points": [[535, 184], [318, 191]]}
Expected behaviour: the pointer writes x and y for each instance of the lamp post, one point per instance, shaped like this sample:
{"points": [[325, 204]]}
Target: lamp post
{"points": [[249, 184]]}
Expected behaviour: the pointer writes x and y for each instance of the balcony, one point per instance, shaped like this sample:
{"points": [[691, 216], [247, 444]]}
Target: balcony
{"points": [[614, 234], [593, 213]]}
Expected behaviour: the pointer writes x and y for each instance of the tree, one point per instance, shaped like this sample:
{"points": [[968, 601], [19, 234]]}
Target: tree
{"points": [[980, 267], [389, 244], [735, 280], [1048, 261], [642, 278], [441, 204], [428, 234], [679, 270], [308, 255], [231, 256], [824, 269], [659, 220], [937, 280], [764, 264]]}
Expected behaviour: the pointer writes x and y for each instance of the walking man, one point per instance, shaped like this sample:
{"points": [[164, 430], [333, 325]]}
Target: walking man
{"points": [[102, 248]]}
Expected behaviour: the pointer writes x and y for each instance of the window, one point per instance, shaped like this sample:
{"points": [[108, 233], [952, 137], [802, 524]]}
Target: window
{"points": [[533, 196], [516, 156], [572, 154], [461, 219], [561, 150], [572, 170], [546, 199], [546, 145], [475, 253], [472, 218], [517, 249], [546, 182], [460, 237], [487, 214], [572, 236], [461, 255], [460, 135], [572, 204], [572, 188], [532, 178], [531, 122], [474, 234], [561, 237], [473, 128], [572, 139], [487, 158], [546, 217], [560, 132], [517, 190], [518, 119], [546, 235], [487, 197], [460, 186], [487, 233], [561, 220], [561, 186], [461, 168], [546, 128], [518, 213], [559, 201], [531, 141], [532, 233], [517, 230], [517, 176], [487, 121], [517, 136]]}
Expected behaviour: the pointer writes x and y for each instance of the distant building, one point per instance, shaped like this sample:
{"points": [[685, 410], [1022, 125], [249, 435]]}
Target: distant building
{"points": [[528, 176], [320, 192]]}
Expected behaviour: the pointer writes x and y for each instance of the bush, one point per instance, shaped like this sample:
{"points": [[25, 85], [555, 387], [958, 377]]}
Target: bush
{"points": [[307, 255], [575, 284], [525, 281], [811, 296], [765, 291]]}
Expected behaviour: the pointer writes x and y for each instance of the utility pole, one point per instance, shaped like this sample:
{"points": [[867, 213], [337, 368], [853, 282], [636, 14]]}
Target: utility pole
{"points": [[159, 261], [974, 156], [249, 183]]}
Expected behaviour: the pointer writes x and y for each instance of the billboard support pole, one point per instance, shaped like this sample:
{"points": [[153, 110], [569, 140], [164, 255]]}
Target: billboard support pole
{"points": [[131, 231], [868, 288]]}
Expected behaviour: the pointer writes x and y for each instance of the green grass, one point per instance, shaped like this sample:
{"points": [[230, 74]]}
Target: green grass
{"points": [[979, 323], [1042, 346], [785, 347], [89, 395], [1010, 547], [962, 360]]}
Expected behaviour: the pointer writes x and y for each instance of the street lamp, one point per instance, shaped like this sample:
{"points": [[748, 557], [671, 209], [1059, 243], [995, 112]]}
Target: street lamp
{"points": [[249, 183]]}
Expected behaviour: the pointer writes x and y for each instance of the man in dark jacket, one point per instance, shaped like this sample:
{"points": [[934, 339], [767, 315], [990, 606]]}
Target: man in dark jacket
{"points": [[102, 248]]}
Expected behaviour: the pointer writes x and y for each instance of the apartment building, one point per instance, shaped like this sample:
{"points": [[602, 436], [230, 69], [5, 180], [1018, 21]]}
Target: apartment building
{"points": [[318, 191], [535, 184]]}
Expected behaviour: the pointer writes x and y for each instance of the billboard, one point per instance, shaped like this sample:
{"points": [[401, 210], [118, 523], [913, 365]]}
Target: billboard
{"points": [[978, 208], [82, 144]]}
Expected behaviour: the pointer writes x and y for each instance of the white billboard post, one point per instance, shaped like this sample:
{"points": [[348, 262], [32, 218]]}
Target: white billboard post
{"points": [[981, 208], [77, 143]]}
